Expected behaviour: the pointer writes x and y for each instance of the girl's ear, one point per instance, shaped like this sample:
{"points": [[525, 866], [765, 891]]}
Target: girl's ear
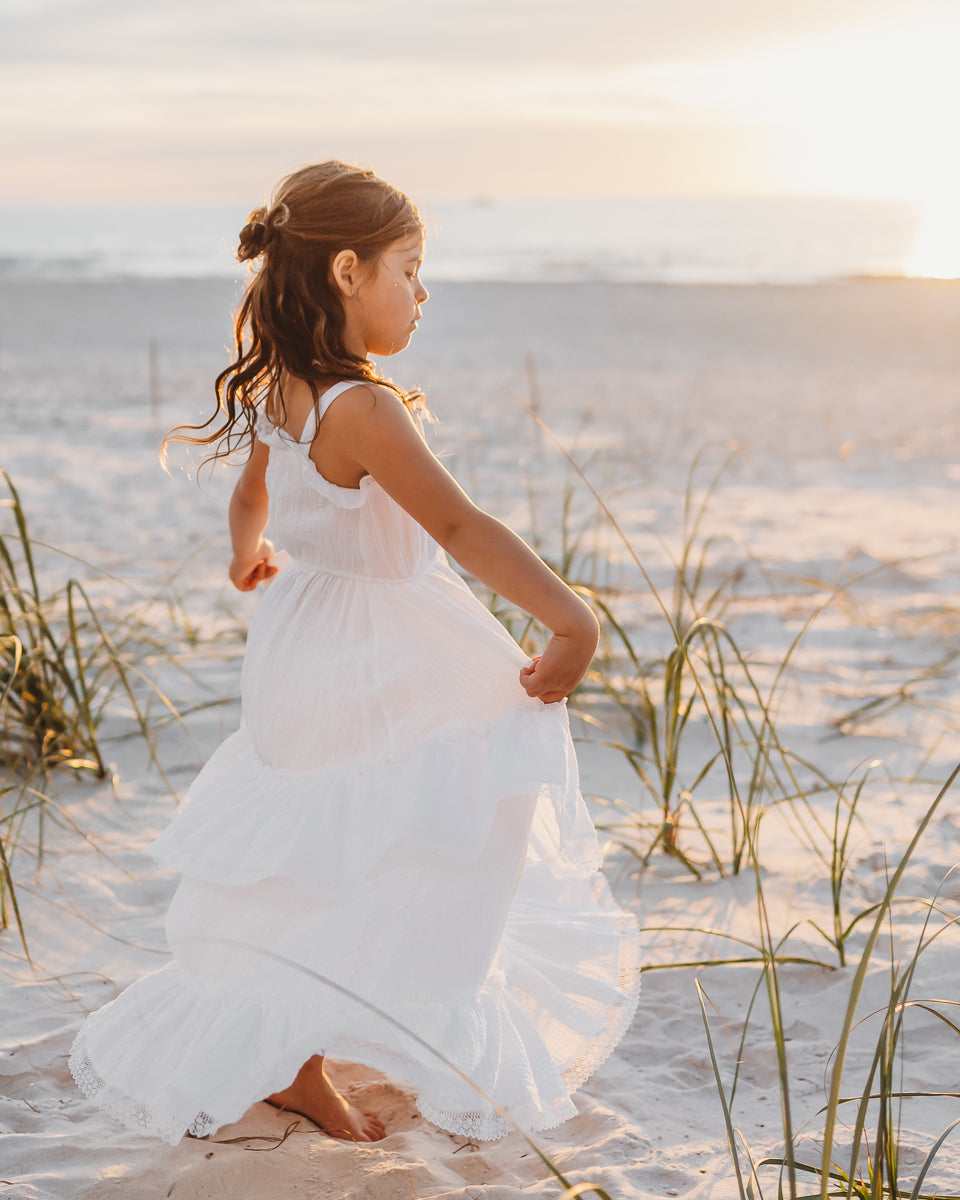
{"points": [[344, 272]]}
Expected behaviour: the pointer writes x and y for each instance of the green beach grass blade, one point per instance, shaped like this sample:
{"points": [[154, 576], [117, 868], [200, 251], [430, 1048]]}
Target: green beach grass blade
{"points": [[859, 978], [8, 892], [725, 1108], [928, 1161]]}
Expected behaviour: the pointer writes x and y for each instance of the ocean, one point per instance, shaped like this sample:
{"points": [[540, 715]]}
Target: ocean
{"points": [[680, 239]]}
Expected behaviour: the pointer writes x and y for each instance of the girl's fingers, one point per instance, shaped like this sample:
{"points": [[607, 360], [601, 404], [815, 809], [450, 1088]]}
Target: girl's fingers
{"points": [[257, 574], [530, 668], [548, 690]]}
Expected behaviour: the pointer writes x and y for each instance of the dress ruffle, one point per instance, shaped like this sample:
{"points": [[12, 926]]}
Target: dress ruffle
{"points": [[329, 828], [538, 1028], [342, 497]]}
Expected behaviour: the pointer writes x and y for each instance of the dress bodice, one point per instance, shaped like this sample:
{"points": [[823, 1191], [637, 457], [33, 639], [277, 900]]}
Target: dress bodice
{"points": [[354, 532]]}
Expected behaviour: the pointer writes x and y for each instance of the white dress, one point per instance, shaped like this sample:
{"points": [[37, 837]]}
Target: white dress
{"points": [[395, 828]]}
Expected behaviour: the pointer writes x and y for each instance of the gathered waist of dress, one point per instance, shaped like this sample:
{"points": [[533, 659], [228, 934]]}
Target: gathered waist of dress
{"points": [[423, 568]]}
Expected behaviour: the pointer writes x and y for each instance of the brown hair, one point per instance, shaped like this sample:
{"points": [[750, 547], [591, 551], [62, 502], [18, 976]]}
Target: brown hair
{"points": [[291, 312]]}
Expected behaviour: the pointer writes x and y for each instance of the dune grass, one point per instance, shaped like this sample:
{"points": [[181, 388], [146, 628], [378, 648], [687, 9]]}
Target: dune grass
{"points": [[701, 718], [50, 675], [698, 714], [66, 661], [871, 1168]]}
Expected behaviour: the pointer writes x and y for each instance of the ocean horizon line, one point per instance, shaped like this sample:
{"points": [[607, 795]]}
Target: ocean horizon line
{"points": [[631, 239]]}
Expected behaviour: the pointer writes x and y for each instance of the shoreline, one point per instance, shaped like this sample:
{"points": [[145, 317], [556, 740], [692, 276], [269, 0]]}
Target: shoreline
{"points": [[10, 275]]}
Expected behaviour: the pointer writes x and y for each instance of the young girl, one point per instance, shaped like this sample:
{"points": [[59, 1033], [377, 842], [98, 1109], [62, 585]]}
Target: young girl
{"points": [[395, 830]]}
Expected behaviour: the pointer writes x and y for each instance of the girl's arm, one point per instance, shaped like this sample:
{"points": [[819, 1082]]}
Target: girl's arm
{"points": [[385, 442], [248, 519]]}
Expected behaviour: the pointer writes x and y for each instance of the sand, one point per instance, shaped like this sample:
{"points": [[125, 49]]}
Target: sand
{"points": [[834, 408]]}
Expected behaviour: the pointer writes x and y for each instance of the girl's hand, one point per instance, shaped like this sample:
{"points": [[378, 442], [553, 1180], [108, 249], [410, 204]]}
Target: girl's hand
{"points": [[553, 675], [246, 573]]}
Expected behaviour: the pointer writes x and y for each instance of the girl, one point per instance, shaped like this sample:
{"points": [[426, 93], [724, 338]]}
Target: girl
{"points": [[395, 830]]}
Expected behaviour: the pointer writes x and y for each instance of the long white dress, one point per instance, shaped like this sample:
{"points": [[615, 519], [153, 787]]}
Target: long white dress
{"points": [[395, 828]]}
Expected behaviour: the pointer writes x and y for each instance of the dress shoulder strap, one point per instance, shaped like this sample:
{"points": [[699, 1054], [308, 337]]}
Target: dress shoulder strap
{"points": [[309, 431]]}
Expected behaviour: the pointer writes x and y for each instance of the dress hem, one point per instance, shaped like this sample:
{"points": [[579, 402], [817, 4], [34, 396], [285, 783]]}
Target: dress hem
{"points": [[402, 1068]]}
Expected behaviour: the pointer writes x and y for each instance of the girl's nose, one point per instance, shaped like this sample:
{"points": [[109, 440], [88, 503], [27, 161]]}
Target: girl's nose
{"points": [[422, 293]]}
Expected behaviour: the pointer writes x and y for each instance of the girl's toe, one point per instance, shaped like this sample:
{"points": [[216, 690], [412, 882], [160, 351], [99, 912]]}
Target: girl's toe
{"points": [[374, 1127]]}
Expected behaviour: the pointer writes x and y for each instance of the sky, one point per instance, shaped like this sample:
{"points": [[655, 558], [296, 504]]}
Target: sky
{"points": [[203, 101]]}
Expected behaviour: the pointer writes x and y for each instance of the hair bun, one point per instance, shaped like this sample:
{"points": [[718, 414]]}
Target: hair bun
{"points": [[255, 236], [260, 230]]}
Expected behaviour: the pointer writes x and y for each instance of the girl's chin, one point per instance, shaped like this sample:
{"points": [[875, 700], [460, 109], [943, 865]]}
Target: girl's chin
{"points": [[401, 343]]}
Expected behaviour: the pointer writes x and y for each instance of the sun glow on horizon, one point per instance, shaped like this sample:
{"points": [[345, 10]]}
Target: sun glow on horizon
{"points": [[936, 251], [871, 115]]}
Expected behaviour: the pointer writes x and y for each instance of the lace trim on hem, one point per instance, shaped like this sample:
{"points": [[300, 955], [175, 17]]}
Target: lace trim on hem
{"points": [[136, 1114], [481, 1126], [619, 1022], [475, 1124], [620, 1017], [133, 1113]]}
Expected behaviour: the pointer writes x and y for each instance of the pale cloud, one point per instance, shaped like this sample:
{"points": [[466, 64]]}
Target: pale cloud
{"points": [[223, 35], [179, 99]]}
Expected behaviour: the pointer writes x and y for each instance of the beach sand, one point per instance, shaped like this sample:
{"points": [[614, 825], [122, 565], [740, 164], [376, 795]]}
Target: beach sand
{"points": [[833, 412]]}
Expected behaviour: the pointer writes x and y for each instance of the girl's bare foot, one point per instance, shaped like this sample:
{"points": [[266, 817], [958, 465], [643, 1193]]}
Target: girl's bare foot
{"points": [[313, 1096]]}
